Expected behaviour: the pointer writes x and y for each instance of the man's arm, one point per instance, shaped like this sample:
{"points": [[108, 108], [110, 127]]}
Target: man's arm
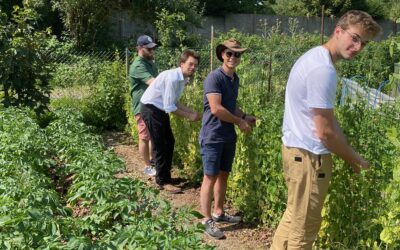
{"points": [[332, 136], [248, 118], [187, 113], [142, 73], [170, 97], [223, 114], [150, 80]]}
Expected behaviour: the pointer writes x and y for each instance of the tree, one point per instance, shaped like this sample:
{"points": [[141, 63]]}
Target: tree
{"points": [[392, 10], [7, 6], [86, 21], [332, 7], [172, 19], [24, 74], [47, 17], [147, 9], [220, 7]]}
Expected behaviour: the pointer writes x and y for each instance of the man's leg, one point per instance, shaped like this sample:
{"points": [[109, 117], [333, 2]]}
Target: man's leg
{"points": [[206, 194], [308, 178], [169, 141], [144, 139], [211, 155], [318, 178], [280, 240], [150, 149], [220, 191], [144, 151], [155, 120], [227, 156]]}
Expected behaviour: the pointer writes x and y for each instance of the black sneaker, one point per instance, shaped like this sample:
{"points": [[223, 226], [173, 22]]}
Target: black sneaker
{"points": [[226, 218], [212, 230]]}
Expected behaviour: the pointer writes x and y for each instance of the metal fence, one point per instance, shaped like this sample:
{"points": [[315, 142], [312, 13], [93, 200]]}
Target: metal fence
{"points": [[271, 67], [352, 91]]}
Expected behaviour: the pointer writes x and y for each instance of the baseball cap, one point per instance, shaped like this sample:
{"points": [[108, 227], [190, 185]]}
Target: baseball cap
{"points": [[146, 42]]}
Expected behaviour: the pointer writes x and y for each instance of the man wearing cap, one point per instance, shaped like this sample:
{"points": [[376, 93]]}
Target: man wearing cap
{"points": [[311, 131], [217, 135], [158, 101], [141, 74]]}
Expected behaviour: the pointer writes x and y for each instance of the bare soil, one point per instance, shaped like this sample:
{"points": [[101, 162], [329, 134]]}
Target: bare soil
{"points": [[238, 237]]}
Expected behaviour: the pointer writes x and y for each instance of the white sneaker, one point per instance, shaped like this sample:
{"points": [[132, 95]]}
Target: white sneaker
{"points": [[149, 170]]}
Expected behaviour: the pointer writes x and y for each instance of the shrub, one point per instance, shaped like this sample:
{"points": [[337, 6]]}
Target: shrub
{"points": [[390, 219], [78, 71], [104, 108], [24, 72]]}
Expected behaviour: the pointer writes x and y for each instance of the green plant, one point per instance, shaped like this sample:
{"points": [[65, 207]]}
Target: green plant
{"points": [[256, 186], [85, 71], [24, 70], [390, 220], [86, 21], [373, 65], [394, 79], [105, 107], [355, 202], [59, 191]]}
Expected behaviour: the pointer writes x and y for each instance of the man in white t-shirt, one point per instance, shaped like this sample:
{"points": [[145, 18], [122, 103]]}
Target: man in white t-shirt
{"points": [[311, 131]]}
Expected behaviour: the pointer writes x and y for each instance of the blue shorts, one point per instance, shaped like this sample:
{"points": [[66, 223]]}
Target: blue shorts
{"points": [[217, 157]]}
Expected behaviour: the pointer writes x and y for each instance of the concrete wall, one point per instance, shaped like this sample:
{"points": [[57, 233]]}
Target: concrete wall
{"points": [[260, 24], [124, 27]]}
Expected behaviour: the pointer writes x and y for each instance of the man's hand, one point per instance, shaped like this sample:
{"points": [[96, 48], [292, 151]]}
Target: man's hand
{"points": [[251, 120], [194, 117], [363, 164], [244, 126]]}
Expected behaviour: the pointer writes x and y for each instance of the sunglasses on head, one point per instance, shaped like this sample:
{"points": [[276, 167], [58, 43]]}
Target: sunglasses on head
{"points": [[231, 53]]}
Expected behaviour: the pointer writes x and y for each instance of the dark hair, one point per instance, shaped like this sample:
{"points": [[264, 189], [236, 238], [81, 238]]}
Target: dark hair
{"points": [[358, 17], [186, 54]]}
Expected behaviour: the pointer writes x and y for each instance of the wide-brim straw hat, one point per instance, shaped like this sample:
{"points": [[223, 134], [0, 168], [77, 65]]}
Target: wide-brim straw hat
{"points": [[231, 44]]}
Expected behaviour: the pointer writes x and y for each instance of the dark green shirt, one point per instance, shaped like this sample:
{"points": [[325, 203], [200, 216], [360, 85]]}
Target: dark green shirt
{"points": [[140, 71]]}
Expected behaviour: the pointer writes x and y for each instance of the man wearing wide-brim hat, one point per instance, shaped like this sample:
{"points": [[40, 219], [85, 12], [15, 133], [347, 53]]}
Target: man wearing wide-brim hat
{"points": [[218, 136]]}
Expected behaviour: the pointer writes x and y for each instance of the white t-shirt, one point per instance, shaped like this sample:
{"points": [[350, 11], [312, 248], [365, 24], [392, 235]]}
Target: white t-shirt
{"points": [[311, 84], [165, 90]]}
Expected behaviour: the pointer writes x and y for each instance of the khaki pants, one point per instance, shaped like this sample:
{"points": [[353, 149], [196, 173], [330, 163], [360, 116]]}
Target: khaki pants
{"points": [[307, 177]]}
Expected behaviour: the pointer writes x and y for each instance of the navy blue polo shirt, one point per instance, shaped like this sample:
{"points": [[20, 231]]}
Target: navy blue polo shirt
{"points": [[213, 130]]}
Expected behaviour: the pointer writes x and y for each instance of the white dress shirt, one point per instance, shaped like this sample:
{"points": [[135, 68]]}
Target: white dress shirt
{"points": [[165, 90]]}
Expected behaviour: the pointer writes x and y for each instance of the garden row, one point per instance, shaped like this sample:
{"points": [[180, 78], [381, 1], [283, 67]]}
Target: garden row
{"points": [[59, 191], [359, 211]]}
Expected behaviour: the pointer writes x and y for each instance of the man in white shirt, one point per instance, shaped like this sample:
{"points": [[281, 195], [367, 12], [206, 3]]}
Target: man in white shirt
{"points": [[158, 101], [311, 131]]}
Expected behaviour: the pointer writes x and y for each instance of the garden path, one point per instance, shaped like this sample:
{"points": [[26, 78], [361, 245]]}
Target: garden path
{"points": [[238, 237]]}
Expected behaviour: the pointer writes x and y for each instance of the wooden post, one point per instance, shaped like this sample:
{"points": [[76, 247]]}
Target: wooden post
{"points": [[127, 62], [396, 86], [270, 74], [322, 24], [212, 47]]}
